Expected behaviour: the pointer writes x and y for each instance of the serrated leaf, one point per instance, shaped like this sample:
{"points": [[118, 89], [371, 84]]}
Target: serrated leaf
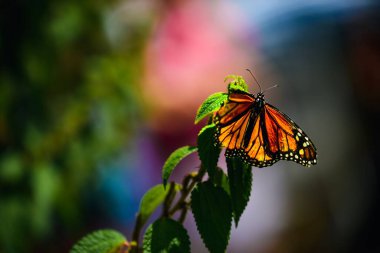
{"points": [[240, 180], [207, 151], [212, 211], [210, 105], [238, 83], [101, 241], [151, 200], [173, 161], [166, 236]]}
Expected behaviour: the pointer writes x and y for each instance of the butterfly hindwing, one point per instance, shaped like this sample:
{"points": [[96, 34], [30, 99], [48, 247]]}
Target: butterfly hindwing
{"points": [[254, 149]]}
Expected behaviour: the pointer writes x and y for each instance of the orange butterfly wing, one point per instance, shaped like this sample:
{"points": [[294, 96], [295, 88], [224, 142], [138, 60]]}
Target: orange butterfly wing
{"points": [[261, 136], [232, 121], [255, 150], [286, 140]]}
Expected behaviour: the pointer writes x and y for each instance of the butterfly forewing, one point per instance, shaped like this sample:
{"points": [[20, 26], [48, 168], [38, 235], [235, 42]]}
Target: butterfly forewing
{"points": [[236, 106], [232, 119]]}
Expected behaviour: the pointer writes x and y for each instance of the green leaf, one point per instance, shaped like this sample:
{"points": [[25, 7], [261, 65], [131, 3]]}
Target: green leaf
{"points": [[238, 83], [11, 167], [173, 161], [212, 211], [166, 236], [240, 179], [101, 241], [211, 104], [151, 200], [208, 152], [221, 179]]}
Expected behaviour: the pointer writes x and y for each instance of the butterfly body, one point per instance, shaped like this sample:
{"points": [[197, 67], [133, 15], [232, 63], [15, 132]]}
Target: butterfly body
{"points": [[259, 133]]}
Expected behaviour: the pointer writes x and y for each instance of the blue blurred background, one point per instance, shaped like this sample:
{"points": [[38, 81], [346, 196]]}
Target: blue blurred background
{"points": [[94, 95]]}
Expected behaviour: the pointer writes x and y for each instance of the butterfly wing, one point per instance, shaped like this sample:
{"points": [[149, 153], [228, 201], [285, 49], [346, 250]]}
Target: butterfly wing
{"points": [[261, 135], [285, 139], [254, 150], [232, 119], [239, 130]]}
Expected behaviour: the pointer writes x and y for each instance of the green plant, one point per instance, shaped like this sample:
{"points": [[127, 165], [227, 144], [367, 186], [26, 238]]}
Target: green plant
{"points": [[215, 201], [69, 102]]}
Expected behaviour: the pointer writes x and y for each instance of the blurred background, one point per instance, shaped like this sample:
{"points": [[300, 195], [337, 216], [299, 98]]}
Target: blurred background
{"points": [[94, 95]]}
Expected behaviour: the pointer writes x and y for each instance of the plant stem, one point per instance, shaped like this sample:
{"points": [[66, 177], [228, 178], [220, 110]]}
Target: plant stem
{"points": [[168, 200], [136, 235], [195, 178], [182, 216], [188, 183]]}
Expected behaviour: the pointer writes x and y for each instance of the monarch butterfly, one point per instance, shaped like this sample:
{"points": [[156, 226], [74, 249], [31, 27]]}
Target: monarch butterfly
{"points": [[259, 133]]}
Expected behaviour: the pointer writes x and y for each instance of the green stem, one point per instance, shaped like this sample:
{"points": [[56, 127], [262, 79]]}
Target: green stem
{"points": [[136, 235], [168, 200], [182, 216], [195, 178], [188, 184]]}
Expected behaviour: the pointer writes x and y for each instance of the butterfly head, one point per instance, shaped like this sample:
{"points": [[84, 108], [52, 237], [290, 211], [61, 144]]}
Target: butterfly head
{"points": [[260, 97]]}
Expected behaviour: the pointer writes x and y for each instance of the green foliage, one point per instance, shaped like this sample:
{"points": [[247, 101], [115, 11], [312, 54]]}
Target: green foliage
{"points": [[240, 181], [44, 178], [151, 200], [166, 236], [17, 220], [11, 168], [210, 105], [207, 151], [173, 161], [221, 179], [237, 83], [68, 102], [212, 211], [101, 241], [214, 202]]}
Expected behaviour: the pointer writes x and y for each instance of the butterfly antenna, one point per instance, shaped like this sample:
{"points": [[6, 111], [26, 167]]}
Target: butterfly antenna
{"points": [[274, 86], [254, 78]]}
